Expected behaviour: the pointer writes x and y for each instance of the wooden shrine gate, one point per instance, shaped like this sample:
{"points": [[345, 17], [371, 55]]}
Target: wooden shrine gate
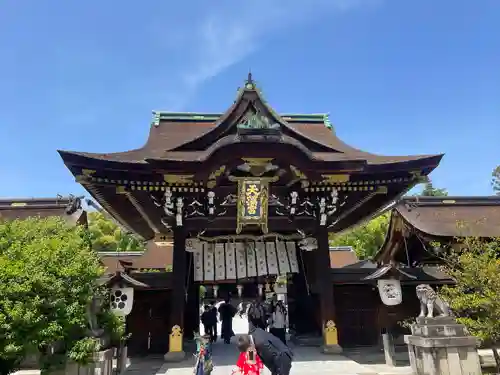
{"points": [[148, 323]]}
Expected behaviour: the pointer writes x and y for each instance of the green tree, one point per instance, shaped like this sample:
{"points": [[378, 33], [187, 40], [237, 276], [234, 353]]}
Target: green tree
{"points": [[48, 276], [430, 191], [475, 296], [107, 236], [365, 239], [495, 180]]}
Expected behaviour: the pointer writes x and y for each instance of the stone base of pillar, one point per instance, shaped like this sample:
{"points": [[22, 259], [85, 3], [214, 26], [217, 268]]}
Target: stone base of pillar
{"points": [[442, 346], [174, 357], [331, 349]]}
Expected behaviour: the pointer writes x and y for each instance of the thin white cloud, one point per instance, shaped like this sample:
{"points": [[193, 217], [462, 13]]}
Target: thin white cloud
{"points": [[226, 34]]}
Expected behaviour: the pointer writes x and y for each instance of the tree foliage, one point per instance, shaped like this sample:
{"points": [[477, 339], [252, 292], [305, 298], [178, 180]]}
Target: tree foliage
{"points": [[475, 296], [430, 191], [107, 236], [48, 276], [365, 239], [495, 180]]}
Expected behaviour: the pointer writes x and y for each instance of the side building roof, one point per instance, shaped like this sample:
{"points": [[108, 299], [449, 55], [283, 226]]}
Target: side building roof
{"points": [[442, 217], [69, 207]]}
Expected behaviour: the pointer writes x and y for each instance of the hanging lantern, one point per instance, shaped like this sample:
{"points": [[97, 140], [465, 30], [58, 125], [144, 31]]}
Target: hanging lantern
{"points": [[193, 245], [240, 290], [260, 287], [122, 300], [268, 288], [388, 283], [390, 291], [216, 290]]}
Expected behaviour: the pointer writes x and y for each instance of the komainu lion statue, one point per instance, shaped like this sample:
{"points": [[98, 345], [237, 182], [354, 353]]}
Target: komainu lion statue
{"points": [[430, 302]]}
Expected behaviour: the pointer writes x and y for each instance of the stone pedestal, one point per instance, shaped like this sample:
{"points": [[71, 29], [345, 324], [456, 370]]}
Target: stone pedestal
{"points": [[174, 356], [331, 349], [441, 346]]}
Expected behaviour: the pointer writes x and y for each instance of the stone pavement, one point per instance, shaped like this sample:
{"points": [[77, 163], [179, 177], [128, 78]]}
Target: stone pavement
{"points": [[307, 361]]}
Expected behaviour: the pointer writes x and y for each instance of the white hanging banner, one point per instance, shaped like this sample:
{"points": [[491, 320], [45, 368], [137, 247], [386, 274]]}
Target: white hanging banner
{"points": [[272, 264], [241, 260], [220, 264], [122, 300], [291, 248], [230, 261], [251, 262], [390, 291], [198, 264], [208, 261], [283, 263], [260, 253]]}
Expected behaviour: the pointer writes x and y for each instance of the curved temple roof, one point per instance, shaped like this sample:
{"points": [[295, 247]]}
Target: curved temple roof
{"points": [[186, 136], [196, 144]]}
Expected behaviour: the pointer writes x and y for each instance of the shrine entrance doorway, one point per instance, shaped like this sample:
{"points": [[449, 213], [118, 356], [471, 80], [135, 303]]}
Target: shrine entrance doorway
{"points": [[254, 269]]}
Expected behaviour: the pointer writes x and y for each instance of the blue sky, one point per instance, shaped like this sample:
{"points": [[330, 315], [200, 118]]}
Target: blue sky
{"points": [[397, 77]]}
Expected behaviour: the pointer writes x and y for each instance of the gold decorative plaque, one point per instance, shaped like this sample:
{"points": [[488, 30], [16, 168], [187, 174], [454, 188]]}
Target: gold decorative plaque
{"points": [[253, 196]]}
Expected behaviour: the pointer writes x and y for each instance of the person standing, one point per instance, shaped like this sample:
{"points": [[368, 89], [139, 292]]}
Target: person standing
{"points": [[227, 313], [209, 321], [205, 320], [279, 321], [275, 355], [257, 315], [214, 318]]}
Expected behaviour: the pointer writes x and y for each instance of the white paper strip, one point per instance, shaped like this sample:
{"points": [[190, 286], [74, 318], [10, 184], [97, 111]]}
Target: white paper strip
{"points": [[241, 260], [208, 261], [198, 264], [260, 253], [230, 261], [282, 258], [292, 256], [220, 265], [251, 262], [272, 263]]}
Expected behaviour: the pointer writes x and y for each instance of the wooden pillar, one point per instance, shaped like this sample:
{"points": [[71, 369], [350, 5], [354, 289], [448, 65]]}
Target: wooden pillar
{"points": [[300, 300], [324, 284], [192, 308], [175, 350]]}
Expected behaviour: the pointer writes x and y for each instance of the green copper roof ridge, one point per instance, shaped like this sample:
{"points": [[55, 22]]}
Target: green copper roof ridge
{"points": [[208, 114]]}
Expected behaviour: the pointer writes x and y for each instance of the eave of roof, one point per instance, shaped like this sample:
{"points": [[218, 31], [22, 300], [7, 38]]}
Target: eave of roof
{"points": [[449, 213]]}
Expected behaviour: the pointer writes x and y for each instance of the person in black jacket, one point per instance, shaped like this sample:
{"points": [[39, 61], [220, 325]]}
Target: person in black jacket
{"points": [[209, 322], [214, 316], [227, 313], [275, 355]]}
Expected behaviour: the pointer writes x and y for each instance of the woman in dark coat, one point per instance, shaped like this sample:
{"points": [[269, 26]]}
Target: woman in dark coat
{"points": [[226, 315]]}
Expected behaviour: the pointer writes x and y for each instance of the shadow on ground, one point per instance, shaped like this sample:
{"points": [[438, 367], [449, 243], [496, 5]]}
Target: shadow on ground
{"points": [[375, 357]]}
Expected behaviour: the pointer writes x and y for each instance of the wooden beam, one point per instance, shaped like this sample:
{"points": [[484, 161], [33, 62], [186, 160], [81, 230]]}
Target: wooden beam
{"points": [[142, 212], [229, 223]]}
